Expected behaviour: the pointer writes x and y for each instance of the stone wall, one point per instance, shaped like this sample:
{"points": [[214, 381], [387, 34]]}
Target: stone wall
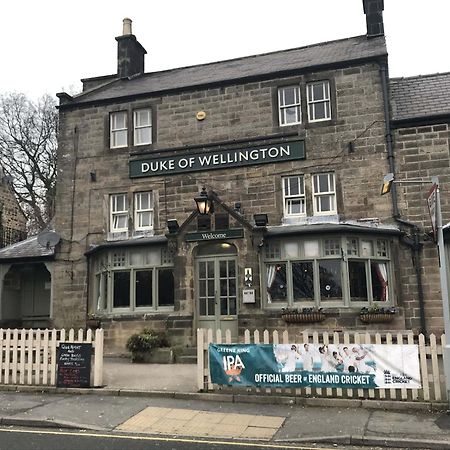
{"points": [[422, 152]]}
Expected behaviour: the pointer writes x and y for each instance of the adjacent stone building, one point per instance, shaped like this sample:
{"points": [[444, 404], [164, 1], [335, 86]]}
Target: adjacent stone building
{"points": [[288, 148], [421, 131]]}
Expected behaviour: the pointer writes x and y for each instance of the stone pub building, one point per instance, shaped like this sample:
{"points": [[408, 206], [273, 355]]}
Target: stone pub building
{"points": [[288, 149]]}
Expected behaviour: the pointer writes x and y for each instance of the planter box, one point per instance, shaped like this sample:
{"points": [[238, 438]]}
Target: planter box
{"points": [[156, 356], [377, 318], [303, 317]]}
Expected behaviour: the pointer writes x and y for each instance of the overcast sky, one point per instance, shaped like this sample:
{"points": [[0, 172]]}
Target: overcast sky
{"points": [[47, 46]]}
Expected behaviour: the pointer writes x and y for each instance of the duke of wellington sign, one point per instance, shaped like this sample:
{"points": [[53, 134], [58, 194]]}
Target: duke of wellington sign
{"points": [[217, 159]]}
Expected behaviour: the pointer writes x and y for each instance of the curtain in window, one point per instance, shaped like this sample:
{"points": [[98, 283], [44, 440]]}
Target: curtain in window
{"points": [[271, 272], [381, 270]]}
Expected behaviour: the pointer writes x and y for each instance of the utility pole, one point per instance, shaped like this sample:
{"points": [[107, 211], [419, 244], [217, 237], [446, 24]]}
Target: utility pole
{"points": [[444, 286]]}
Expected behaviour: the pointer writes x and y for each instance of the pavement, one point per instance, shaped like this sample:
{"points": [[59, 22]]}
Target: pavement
{"points": [[163, 400]]}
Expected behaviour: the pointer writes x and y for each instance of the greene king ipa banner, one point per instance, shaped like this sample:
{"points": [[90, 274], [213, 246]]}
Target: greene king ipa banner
{"points": [[315, 365]]}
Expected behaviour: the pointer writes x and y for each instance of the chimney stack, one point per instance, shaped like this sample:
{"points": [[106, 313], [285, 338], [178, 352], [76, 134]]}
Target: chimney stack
{"points": [[373, 9], [130, 53]]}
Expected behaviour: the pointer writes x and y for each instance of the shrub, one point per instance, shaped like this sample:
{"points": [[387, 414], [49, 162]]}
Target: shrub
{"points": [[146, 341]]}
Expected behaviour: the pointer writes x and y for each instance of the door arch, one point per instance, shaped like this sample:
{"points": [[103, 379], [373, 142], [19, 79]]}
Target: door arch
{"points": [[216, 291]]}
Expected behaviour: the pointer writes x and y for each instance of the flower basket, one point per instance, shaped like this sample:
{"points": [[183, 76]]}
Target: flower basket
{"points": [[377, 317], [300, 317]]}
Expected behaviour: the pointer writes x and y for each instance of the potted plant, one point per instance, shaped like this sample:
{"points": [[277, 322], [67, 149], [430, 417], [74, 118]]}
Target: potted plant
{"points": [[302, 315], [92, 321], [375, 314], [143, 345]]}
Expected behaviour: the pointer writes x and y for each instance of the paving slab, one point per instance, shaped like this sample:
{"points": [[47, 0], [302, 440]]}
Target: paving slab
{"points": [[308, 422], [120, 373], [409, 425], [190, 422]]}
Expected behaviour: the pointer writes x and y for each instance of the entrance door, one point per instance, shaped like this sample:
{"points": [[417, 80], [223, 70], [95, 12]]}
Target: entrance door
{"points": [[217, 293]]}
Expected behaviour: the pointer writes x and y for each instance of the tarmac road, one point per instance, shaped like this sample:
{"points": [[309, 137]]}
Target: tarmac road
{"points": [[13, 438]]}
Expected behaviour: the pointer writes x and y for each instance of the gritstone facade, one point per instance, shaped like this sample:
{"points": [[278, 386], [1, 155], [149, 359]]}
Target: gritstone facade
{"points": [[289, 149]]}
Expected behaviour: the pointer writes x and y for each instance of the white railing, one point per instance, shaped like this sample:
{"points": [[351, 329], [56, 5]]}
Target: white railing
{"points": [[28, 357], [430, 358]]}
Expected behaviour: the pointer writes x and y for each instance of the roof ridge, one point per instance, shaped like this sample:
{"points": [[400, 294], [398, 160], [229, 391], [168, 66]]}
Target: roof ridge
{"points": [[417, 77]]}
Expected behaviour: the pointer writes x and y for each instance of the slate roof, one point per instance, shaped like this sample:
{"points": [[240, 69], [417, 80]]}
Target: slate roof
{"points": [[420, 96], [27, 249], [318, 55]]}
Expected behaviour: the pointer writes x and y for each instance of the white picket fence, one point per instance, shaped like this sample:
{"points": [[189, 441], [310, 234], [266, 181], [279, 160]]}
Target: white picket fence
{"points": [[430, 357], [28, 357]]}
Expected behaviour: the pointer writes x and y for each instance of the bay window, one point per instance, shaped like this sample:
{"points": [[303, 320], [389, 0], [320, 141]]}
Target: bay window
{"points": [[134, 280], [343, 271]]}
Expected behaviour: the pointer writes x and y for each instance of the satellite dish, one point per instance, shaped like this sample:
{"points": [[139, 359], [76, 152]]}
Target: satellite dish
{"points": [[48, 238]]}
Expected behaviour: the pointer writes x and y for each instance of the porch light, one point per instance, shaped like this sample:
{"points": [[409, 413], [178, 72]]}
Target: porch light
{"points": [[204, 203], [172, 225], [261, 220]]}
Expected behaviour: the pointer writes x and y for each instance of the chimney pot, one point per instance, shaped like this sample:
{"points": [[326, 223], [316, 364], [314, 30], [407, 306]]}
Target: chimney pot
{"points": [[127, 26]]}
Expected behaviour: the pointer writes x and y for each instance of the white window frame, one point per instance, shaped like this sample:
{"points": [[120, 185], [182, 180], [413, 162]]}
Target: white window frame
{"points": [[115, 130], [139, 211], [138, 126], [115, 212], [312, 102], [288, 197], [282, 106], [330, 193]]}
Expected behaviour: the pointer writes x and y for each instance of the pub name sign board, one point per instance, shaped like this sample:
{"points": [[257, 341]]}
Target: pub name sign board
{"points": [[223, 159]]}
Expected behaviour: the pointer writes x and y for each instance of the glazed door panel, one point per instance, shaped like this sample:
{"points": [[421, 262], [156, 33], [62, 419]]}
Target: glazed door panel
{"points": [[217, 294]]}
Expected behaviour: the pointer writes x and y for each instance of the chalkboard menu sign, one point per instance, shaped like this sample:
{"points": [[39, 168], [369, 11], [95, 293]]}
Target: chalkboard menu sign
{"points": [[74, 365]]}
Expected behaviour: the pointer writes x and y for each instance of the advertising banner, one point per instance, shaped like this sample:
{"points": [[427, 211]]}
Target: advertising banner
{"points": [[315, 365]]}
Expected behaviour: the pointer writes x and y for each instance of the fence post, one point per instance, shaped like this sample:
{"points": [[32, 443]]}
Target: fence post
{"points": [[200, 360], [98, 357]]}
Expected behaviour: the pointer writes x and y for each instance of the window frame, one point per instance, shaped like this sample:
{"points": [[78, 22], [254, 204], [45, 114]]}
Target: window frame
{"points": [[311, 102], [139, 210], [287, 196], [137, 127], [344, 258], [113, 213], [282, 106], [329, 193], [113, 130], [103, 277]]}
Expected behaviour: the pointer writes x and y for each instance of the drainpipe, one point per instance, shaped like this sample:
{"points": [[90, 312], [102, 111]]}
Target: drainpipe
{"points": [[415, 245]]}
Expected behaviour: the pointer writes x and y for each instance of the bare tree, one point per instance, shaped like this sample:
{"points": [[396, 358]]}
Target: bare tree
{"points": [[28, 154]]}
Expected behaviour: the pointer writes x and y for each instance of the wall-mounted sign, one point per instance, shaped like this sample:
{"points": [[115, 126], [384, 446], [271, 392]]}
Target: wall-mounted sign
{"points": [[219, 159], [232, 233], [248, 296]]}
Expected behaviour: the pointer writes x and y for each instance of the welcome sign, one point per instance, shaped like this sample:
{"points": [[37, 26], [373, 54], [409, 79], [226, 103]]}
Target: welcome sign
{"points": [[210, 160], [315, 365]]}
